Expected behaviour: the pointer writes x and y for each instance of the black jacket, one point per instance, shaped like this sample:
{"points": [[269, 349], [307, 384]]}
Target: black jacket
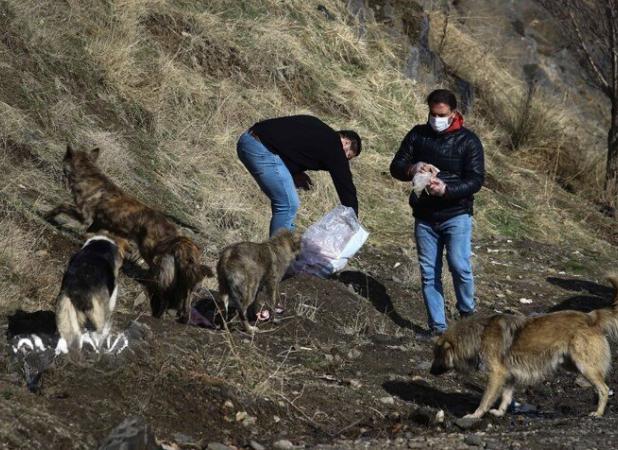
{"points": [[458, 155], [306, 143]]}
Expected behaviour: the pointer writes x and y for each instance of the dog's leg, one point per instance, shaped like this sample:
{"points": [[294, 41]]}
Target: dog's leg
{"points": [[98, 318], [497, 378], [592, 357], [62, 346], [596, 377], [64, 208], [507, 398], [225, 299], [272, 288], [245, 323], [249, 302]]}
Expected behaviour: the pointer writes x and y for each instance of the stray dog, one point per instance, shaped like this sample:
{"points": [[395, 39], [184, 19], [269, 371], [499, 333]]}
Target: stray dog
{"points": [[526, 350], [173, 260], [245, 267], [88, 293]]}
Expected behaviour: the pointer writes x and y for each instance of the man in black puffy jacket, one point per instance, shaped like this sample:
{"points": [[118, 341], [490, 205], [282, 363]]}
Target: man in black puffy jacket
{"points": [[453, 156]]}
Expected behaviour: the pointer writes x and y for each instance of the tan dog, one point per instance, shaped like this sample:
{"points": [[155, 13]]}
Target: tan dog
{"points": [[518, 350], [174, 260], [245, 267]]}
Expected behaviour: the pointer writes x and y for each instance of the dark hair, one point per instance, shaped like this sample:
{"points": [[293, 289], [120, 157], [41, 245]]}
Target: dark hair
{"points": [[442, 96], [354, 138]]}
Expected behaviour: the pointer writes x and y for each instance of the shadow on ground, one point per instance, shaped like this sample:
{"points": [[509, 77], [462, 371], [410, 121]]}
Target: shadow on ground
{"points": [[368, 287], [598, 297], [421, 393]]}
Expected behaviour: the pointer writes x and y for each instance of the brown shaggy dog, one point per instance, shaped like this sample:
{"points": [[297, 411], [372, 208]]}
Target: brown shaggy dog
{"points": [[174, 260], [245, 267], [526, 350]]}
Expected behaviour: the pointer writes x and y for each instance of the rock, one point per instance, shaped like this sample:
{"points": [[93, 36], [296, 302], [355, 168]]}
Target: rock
{"points": [[423, 366], [468, 423], [523, 408], [228, 404], [139, 300], [249, 421], [283, 444], [132, 434], [417, 444], [354, 354], [138, 331], [256, 445], [218, 446], [183, 439], [473, 439], [387, 400]]}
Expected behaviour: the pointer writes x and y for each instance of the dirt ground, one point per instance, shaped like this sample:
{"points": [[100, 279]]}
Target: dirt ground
{"points": [[340, 369]]}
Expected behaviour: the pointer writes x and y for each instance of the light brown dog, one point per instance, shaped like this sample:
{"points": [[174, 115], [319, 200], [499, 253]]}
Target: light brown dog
{"points": [[174, 260], [245, 267], [516, 350]]}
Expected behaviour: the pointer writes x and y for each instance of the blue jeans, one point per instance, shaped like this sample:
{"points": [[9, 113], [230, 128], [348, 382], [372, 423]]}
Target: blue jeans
{"points": [[455, 235], [274, 179]]}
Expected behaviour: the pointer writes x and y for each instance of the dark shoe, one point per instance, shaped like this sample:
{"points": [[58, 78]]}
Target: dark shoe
{"points": [[464, 314], [429, 335]]}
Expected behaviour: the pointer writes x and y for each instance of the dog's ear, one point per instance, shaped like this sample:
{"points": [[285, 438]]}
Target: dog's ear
{"points": [[123, 246], [94, 154], [69, 153], [206, 271]]}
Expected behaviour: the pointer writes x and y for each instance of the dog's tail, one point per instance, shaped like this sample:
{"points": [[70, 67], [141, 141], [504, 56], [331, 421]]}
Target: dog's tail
{"points": [[608, 318], [67, 322], [178, 273], [180, 260], [187, 257]]}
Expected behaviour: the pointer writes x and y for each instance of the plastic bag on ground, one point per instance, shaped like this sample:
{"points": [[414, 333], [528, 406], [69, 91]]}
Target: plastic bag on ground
{"points": [[328, 244]]}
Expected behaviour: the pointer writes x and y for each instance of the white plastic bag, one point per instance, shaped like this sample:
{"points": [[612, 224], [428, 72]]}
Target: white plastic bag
{"points": [[328, 244], [420, 181]]}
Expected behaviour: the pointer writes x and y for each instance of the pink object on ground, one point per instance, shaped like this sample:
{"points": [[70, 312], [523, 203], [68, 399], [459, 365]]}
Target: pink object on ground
{"points": [[198, 319], [263, 315]]}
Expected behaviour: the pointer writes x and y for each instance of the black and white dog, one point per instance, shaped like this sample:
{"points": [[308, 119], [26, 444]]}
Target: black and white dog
{"points": [[88, 293]]}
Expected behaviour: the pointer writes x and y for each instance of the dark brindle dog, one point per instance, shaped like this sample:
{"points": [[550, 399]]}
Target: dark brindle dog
{"points": [[174, 260]]}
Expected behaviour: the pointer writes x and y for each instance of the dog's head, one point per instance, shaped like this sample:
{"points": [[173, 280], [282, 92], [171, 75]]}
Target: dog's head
{"points": [[291, 239], [124, 246], [73, 159], [443, 356]]}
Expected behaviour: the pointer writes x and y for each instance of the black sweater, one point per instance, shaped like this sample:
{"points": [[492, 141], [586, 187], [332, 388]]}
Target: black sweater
{"points": [[306, 143], [458, 155]]}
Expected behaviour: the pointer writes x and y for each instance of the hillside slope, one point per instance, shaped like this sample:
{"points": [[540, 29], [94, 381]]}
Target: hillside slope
{"points": [[165, 88]]}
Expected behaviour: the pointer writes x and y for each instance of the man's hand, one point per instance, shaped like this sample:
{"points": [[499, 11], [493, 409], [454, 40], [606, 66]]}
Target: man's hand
{"points": [[436, 187], [422, 167], [302, 181]]}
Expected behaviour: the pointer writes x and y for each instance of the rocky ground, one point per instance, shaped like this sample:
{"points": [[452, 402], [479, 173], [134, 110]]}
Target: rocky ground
{"points": [[341, 369]]}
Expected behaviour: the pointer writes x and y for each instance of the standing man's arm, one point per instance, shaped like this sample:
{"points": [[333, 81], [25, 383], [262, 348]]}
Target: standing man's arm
{"points": [[473, 174], [402, 165]]}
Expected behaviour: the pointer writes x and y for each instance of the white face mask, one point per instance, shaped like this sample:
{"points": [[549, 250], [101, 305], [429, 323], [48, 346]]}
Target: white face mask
{"points": [[439, 123]]}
